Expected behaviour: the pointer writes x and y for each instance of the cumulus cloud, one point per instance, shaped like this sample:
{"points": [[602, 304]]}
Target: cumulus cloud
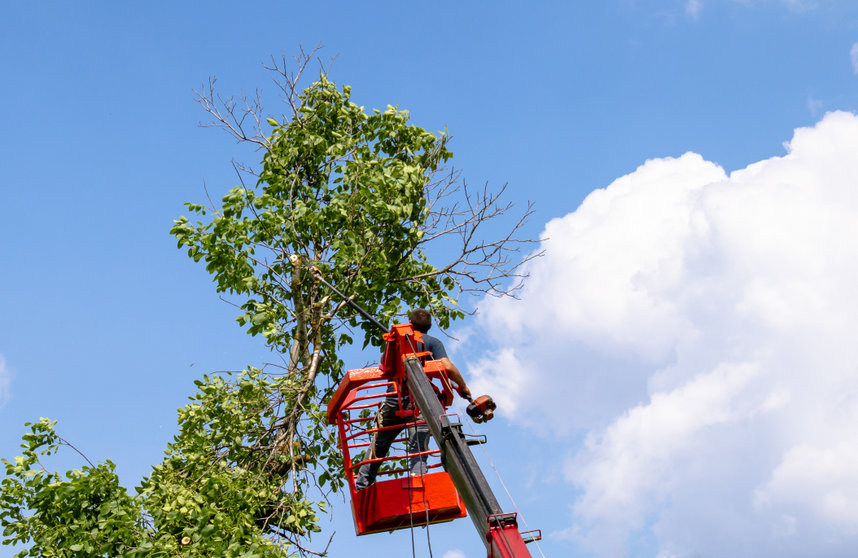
{"points": [[454, 554], [696, 327], [853, 56], [5, 382]]}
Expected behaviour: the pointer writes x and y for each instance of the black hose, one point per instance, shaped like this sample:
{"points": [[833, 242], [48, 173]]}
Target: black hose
{"points": [[318, 275]]}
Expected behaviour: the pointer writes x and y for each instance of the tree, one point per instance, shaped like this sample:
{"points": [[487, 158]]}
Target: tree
{"points": [[352, 195]]}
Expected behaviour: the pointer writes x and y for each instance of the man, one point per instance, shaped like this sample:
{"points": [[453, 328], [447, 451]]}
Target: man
{"points": [[421, 321]]}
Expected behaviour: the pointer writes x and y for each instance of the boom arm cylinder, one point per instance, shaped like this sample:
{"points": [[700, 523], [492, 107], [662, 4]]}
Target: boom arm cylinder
{"points": [[499, 531]]}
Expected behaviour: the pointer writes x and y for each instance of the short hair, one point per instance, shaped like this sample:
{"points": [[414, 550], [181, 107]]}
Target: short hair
{"points": [[421, 319]]}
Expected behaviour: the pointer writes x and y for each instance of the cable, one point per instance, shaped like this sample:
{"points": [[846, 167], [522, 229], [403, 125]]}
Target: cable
{"points": [[406, 442], [317, 274], [497, 473], [413, 548], [471, 426], [420, 449], [423, 484]]}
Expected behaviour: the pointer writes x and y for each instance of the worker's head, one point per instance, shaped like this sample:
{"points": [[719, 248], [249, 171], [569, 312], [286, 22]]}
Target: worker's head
{"points": [[421, 320]]}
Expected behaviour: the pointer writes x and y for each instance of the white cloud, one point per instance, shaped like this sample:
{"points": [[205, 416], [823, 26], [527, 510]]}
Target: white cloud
{"points": [[792, 5], [853, 56], [814, 105], [454, 554], [693, 7], [5, 382], [698, 328], [800, 5], [820, 480]]}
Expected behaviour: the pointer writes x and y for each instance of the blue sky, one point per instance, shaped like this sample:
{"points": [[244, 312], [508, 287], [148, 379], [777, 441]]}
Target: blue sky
{"points": [[104, 324]]}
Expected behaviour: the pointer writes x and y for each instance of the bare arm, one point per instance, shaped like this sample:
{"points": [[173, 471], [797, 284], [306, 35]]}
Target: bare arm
{"points": [[454, 374]]}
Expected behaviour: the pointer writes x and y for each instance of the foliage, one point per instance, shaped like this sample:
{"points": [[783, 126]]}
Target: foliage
{"points": [[355, 196], [344, 191], [82, 513], [211, 488], [208, 497]]}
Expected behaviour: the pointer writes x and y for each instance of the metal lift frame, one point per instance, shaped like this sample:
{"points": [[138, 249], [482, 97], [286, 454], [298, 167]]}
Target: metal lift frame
{"points": [[498, 530]]}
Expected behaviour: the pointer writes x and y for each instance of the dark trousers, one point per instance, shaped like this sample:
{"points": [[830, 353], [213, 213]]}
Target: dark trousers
{"points": [[418, 438]]}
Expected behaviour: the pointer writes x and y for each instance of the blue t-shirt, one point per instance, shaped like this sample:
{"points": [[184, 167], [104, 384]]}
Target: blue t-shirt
{"points": [[434, 346]]}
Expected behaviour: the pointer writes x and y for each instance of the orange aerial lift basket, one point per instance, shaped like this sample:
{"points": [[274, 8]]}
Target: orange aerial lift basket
{"points": [[433, 496], [397, 500]]}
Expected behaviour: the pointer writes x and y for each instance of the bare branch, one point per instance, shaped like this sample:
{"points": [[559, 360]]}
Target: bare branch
{"points": [[481, 266], [232, 115], [462, 220]]}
